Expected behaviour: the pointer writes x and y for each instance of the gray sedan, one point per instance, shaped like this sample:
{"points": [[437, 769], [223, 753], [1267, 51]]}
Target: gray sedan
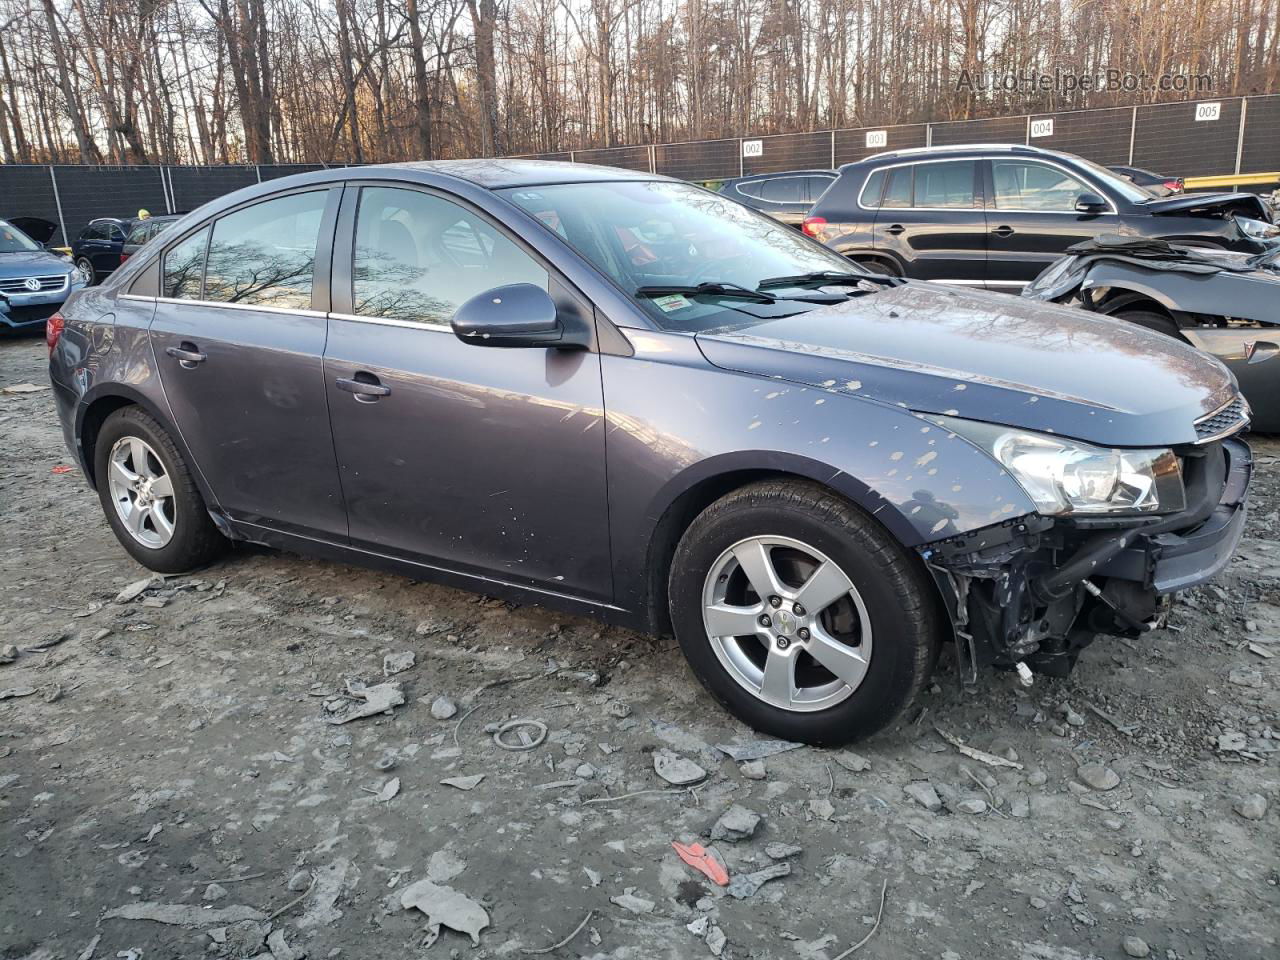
{"points": [[625, 396]]}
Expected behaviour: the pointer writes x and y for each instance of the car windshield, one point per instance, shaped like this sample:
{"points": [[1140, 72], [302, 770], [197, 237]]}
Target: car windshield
{"points": [[1121, 185], [649, 235], [13, 240]]}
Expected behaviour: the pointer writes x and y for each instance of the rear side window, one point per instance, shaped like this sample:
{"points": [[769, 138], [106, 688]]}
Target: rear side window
{"points": [[784, 190], [418, 257], [751, 189], [897, 192], [944, 184], [184, 267], [139, 234], [817, 185], [873, 189], [265, 255]]}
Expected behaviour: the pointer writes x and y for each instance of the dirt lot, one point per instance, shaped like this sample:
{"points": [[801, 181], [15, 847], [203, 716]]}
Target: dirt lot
{"points": [[176, 760]]}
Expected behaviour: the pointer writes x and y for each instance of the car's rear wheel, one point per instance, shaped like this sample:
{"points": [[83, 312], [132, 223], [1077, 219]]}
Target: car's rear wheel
{"points": [[149, 496], [801, 614], [1151, 320], [86, 267]]}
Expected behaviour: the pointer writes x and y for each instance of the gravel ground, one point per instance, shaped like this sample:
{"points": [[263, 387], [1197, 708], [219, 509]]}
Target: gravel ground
{"points": [[175, 785]]}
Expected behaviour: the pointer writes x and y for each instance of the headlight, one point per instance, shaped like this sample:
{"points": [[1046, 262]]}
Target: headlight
{"points": [[1066, 476], [1258, 229]]}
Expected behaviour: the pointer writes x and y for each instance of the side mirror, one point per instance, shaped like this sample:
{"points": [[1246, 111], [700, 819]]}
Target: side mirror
{"points": [[515, 315], [1090, 203]]}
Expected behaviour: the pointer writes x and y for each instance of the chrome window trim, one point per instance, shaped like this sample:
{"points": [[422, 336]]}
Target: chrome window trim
{"points": [[916, 163], [292, 311], [140, 298], [390, 322]]}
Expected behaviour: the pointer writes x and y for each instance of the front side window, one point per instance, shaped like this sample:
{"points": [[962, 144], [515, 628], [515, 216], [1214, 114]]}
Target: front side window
{"points": [[944, 184], [652, 234], [418, 257], [265, 255], [184, 267], [1034, 186]]}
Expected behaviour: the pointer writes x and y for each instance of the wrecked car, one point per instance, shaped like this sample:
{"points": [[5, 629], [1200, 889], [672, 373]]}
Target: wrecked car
{"points": [[995, 216], [628, 397], [1220, 302]]}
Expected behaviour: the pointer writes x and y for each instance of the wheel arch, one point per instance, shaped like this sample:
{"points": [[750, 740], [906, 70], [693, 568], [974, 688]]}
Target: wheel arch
{"points": [[716, 480], [99, 404]]}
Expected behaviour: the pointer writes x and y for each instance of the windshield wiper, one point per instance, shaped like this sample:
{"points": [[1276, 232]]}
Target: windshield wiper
{"points": [[714, 289], [828, 277]]}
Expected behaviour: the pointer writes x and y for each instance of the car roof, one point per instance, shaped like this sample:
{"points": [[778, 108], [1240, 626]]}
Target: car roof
{"points": [[501, 173], [958, 151], [815, 172]]}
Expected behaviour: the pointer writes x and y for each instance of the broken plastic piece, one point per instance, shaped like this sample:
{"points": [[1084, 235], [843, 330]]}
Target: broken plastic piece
{"points": [[704, 861], [1024, 673]]}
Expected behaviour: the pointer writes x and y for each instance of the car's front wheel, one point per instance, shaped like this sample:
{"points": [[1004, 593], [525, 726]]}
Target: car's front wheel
{"points": [[149, 496], [801, 614], [86, 267]]}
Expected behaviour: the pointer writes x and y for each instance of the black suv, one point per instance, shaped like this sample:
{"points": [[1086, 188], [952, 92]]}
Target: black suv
{"points": [[783, 196], [996, 216]]}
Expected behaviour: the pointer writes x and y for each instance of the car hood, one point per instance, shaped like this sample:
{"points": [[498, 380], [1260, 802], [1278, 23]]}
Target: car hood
{"points": [[1210, 204], [27, 263], [991, 357]]}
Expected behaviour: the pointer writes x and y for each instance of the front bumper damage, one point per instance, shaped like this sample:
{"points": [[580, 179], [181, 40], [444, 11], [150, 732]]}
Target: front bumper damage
{"points": [[1032, 592]]}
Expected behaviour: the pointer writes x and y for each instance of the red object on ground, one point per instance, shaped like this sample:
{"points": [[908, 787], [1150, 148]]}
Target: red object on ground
{"points": [[62, 468], [698, 857]]}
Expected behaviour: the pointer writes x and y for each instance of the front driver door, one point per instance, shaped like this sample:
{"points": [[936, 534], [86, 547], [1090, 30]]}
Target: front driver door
{"points": [[1033, 219], [480, 460], [238, 336]]}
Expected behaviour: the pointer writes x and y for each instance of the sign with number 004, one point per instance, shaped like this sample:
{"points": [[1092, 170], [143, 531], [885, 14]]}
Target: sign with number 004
{"points": [[1209, 111], [752, 148], [1042, 128]]}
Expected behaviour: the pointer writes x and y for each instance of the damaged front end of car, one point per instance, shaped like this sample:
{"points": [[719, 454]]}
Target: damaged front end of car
{"points": [[1030, 593]]}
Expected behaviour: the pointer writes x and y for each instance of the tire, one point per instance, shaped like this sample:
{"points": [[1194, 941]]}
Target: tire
{"points": [[173, 532], [888, 619], [882, 267], [86, 265], [1152, 321]]}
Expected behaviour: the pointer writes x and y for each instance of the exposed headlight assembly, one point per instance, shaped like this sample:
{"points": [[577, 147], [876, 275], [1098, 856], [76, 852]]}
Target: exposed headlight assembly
{"points": [[1258, 229], [1070, 477]]}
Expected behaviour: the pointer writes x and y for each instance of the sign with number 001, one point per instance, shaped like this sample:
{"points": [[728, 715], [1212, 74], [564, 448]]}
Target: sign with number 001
{"points": [[877, 138]]}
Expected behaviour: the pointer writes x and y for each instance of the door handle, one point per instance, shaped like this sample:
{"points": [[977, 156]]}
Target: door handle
{"points": [[365, 386], [1004, 230], [187, 354], [896, 229]]}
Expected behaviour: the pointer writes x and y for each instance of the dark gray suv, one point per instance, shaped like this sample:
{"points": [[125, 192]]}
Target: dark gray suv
{"points": [[629, 397]]}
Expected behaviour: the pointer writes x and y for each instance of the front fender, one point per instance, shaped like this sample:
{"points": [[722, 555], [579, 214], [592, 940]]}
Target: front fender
{"points": [[675, 422]]}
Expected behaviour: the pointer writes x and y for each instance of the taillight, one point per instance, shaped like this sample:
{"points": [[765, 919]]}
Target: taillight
{"points": [[123, 257], [1174, 186], [53, 330], [812, 226]]}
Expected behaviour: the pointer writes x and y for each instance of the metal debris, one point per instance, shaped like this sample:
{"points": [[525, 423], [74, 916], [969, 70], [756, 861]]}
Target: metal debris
{"points": [[980, 755], [367, 701]]}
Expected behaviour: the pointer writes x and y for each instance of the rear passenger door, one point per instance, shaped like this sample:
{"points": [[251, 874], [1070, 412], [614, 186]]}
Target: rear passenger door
{"points": [[238, 336], [486, 462], [930, 218]]}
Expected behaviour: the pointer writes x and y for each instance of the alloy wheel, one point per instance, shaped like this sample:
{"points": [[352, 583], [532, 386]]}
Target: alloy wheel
{"points": [[142, 492], [787, 623], [87, 269]]}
